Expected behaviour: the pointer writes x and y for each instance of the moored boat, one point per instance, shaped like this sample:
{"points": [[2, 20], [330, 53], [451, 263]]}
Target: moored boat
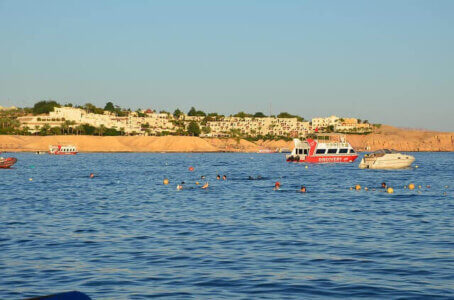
{"points": [[6, 163], [386, 159], [62, 150], [323, 149]]}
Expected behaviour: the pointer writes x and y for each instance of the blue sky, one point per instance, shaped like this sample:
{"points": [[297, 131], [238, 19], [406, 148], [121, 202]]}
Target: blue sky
{"points": [[389, 62]]}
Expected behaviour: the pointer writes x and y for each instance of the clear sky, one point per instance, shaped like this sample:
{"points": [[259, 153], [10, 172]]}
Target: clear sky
{"points": [[389, 62]]}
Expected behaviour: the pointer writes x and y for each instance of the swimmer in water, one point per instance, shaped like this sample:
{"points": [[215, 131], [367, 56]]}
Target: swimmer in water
{"points": [[383, 185], [224, 177], [218, 177], [92, 175], [277, 185], [250, 178], [202, 177], [180, 186], [205, 186], [303, 189]]}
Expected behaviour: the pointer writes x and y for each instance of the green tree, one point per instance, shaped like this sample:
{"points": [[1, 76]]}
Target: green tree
{"points": [[259, 115], [192, 112], [44, 107], [206, 129], [44, 129], [177, 113], [193, 128], [109, 107]]}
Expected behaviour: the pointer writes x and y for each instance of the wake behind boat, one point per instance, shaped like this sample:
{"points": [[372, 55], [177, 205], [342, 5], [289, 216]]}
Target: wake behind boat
{"points": [[323, 149]]}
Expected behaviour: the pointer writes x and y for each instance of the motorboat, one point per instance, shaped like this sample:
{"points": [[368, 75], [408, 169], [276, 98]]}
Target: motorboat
{"points": [[323, 149], [6, 163], [386, 159], [62, 149]]}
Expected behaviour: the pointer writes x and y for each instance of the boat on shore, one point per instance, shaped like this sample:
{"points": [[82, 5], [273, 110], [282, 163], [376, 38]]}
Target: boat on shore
{"points": [[323, 149], [63, 150], [6, 163], [386, 159]]}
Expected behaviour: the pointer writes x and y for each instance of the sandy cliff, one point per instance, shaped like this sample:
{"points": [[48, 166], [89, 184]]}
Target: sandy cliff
{"points": [[388, 137], [385, 137]]}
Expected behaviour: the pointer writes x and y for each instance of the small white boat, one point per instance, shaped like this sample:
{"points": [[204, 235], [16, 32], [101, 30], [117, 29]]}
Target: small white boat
{"points": [[386, 159], [62, 149]]}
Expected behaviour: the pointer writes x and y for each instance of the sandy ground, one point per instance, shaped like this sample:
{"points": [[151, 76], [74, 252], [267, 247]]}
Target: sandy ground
{"points": [[386, 137]]}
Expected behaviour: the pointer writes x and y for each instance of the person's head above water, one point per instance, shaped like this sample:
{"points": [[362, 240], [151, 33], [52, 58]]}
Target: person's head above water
{"points": [[277, 185], [224, 177], [303, 189], [383, 184], [218, 176]]}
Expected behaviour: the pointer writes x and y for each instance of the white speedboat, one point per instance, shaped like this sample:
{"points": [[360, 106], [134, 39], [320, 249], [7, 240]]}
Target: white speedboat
{"points": [[386, 159]]}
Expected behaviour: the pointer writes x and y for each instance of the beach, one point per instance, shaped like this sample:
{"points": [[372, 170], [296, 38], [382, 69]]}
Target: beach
{"points": [[386, 137]]}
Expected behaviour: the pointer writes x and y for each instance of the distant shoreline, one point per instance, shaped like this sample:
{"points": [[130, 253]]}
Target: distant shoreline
{"points": [[385, 138]]}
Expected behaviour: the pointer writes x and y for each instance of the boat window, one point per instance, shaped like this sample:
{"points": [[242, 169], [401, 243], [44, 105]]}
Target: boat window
{"points": [[300, 151], [352, 151], [305, 151], [343, 150], [332, 151], [320, 151]]}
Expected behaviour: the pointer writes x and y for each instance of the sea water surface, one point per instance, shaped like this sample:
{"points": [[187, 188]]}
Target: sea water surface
{"points": [[125, 235]]}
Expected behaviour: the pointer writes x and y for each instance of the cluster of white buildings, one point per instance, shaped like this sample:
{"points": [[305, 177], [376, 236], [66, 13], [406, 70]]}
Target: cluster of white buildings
{"points": [[151, 123]]}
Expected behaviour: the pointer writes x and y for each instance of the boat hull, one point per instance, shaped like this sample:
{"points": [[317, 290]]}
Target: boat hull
{"points": [[62, 153], [6, 163], [327, 159], [386, 164]]}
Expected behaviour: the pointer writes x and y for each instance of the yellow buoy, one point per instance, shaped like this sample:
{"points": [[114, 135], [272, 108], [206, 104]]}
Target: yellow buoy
{"points": [[31, 179], [165, 181], [390, 190], [416, 166], [411, 186], [357, 187], [419, 186], [306, 167], [197, 183]]}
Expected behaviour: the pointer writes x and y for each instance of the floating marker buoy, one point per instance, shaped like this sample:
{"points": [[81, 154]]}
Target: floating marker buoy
{"points": [[30, 179], [390, 190], [419, 186], [165, 181], [416, 166], [357, 187], [197, 183], [306, 167], [191, 169], [411, 186]]}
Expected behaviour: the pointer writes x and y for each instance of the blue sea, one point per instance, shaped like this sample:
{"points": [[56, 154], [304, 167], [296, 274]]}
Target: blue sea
{"points": [[125, 235]]}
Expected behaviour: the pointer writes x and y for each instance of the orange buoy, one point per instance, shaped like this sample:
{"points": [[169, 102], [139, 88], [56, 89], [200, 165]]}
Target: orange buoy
{"points": [[191, 169], [357, 187]]}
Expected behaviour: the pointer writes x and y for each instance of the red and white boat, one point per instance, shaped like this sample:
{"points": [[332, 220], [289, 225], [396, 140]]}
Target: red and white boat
{"points": [[6, 163], [323, 149], [62, 150]]}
